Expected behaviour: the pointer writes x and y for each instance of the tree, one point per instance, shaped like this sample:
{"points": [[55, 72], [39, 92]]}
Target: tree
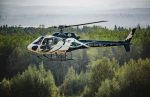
{"points": [[5, 88], [108, 88], [73, 83], [115, 28], [101, 70], [131, 80], [145, 44], [34, 82], [134, 78]]}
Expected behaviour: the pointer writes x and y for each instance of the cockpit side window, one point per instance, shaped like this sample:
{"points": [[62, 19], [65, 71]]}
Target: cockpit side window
{"points": [[38, 41], [55, 40], [47, 41]]}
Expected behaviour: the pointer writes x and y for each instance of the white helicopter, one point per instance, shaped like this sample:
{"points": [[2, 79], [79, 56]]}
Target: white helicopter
{"points": [[57, 46]]}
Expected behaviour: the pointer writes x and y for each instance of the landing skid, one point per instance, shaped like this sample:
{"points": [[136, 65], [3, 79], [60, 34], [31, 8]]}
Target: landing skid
{"points": [[56, 57]]}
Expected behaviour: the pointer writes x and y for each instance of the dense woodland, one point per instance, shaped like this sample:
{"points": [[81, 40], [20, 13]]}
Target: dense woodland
{"points": [[94, 72]]}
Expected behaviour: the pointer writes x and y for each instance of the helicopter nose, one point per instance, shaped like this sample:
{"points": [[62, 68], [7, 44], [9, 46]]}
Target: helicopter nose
{"points": [[32, 47], [29, 47]]}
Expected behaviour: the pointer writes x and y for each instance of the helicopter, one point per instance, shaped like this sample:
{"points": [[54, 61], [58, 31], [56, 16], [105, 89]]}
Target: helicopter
{"points": [[59, 46]]}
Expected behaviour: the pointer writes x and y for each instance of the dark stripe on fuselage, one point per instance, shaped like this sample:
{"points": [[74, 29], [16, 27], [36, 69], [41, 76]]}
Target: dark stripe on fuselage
{"points": [[93, 43], [103, 43]]}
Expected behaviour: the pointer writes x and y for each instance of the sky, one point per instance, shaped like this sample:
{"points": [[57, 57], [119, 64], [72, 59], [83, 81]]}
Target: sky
{"points": [[87, 4], [35, 12]]}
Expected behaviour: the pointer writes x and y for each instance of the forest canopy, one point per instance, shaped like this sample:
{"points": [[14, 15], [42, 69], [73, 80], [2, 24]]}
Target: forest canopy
{"points": [[94, 72]]}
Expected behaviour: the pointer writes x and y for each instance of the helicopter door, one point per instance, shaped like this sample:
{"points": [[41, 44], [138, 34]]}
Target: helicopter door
{"points": [[58, 43], [46, 44], [51, 44], [67, 44]]}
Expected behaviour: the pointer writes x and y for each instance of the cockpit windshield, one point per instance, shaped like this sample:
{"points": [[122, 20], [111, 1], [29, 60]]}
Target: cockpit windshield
{"points": [[39, 40], [50, 41]]}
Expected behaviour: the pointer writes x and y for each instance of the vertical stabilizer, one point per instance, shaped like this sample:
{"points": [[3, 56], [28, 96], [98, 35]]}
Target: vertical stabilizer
{"points": [[129, 37], [128, 40]]}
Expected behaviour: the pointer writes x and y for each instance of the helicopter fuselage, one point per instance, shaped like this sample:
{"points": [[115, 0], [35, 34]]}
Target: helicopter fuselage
{"points": [[56, 45], [53, 45]]}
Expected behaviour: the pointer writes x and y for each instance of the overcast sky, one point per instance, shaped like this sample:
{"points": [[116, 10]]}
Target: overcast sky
{"points": [[35, 12], [94, 4]]}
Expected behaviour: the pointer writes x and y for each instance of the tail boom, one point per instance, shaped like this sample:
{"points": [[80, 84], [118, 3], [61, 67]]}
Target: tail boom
{"points": [[93, 43]]}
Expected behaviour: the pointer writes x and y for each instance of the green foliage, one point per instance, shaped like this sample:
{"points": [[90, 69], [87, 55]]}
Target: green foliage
{"points": [[5, 88], [33, 82], [131, 80], [108, 88], [145, 44], [101, 79], [13, 53], [134, 78], [73, 83], [101, 70], [14, 40]]}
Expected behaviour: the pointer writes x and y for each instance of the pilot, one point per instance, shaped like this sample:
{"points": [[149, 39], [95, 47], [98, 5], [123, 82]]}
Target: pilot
{"points": [[49, 43], [69, 35]]}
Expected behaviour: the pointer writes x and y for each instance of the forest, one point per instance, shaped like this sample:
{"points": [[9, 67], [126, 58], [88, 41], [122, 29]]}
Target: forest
{"points": [[94, 72]]}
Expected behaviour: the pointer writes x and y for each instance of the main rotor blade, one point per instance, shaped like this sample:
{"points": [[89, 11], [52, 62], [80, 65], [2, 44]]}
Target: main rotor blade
{"points": [[86, 23]]}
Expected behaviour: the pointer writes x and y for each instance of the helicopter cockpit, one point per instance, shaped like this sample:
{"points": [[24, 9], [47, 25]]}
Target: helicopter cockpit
{"points": [[38, 40], [50, 41], [59, 45]]}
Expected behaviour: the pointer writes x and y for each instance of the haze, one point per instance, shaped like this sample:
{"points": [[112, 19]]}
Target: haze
{"points": [[96, 4], [55, 12]]}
